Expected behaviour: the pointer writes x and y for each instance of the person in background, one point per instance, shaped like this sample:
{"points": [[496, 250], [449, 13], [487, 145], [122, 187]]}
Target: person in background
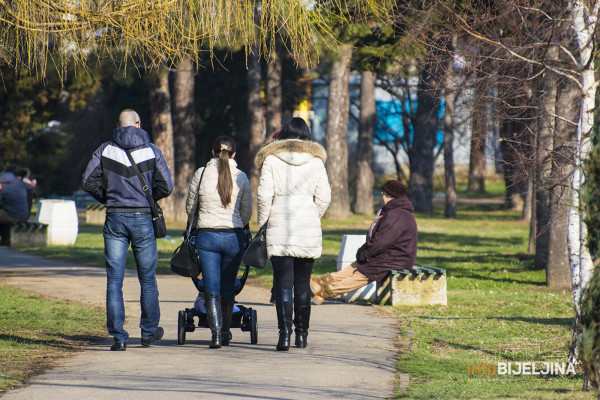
{"points": [[111, 179], [224, 209], [30, 183], [391, 244], [293, 195], [15, 205]]}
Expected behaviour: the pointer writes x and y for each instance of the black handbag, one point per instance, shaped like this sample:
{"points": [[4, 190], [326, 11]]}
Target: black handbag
{"points": [[256, 253], [185, 260], [158, 218]]}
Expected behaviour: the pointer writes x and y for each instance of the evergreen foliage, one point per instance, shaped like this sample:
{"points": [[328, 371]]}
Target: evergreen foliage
{"points": [[592, 201], [589, 332]]}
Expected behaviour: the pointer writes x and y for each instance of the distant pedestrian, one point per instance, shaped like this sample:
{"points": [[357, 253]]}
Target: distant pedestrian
{"points": [[14, 201], [224, 209], [110, 178], [293, 195], [391, 244]]}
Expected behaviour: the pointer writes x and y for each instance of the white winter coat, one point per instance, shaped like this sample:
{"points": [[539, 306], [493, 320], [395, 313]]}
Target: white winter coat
{"points": [[211, 213], [293, 195]]}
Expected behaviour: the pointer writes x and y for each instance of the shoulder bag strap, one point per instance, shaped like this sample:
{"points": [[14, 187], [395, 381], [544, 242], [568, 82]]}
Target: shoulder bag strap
{"points": [[196, 204], [143, 182]]}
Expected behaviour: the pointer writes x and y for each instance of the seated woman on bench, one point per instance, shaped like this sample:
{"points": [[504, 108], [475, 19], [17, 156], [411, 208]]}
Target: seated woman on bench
{"points": [[391, 244]]}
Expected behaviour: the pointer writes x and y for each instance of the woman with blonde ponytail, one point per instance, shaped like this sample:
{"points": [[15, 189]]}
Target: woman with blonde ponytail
{"points": [[224, 209]]}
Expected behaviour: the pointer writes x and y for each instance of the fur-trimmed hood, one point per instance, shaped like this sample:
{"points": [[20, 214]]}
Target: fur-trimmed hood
{"points": [[292, 151]]}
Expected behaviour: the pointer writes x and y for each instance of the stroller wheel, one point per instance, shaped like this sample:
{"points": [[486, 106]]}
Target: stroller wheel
{"points": [[181, 327], [253, 327]]}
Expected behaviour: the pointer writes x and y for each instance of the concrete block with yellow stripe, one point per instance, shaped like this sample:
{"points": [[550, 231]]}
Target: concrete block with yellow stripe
{"points": [[417, 286]]}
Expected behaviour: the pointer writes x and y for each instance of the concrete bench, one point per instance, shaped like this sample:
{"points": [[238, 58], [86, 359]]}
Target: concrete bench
{"points": [[420, 285], [346, 256], [95, 214], [28, 234], [417, 286]]}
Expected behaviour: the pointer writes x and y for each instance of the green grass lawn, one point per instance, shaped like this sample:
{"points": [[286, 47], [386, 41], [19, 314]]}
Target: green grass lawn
{"points": [[499, 309], [35, 331]]}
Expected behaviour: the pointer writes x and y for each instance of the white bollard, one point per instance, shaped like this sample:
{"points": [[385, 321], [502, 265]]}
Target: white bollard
{"points": [[61, 218], [347, 255]]}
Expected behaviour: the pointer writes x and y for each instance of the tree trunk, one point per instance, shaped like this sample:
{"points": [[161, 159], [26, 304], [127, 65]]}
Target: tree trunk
{"points": [[543, 148], [338, 109], [558, 273], [449, 177], [508, 143], [274, 94], [528, 156], [162, 127], [255, 116], [364, 153], [184, 134], [421, 157], [478, 134], [584, 22]]}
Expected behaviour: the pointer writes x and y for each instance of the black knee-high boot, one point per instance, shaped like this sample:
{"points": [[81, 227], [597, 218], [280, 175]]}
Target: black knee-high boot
{"points": [[214, 318], [301, 317], [284, 306], [227, 309]]}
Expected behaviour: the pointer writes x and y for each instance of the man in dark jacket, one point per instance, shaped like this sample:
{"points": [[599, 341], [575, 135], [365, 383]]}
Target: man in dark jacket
{"points": [[391, 244], [14, 204], [111, 179]]}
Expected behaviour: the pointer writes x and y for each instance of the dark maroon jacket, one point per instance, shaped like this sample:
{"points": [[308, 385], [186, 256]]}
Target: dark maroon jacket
{"points": [[393, 243]]}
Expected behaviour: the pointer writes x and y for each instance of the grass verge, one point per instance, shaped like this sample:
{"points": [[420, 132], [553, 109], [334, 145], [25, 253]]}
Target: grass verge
{"points": [[35, 332]]}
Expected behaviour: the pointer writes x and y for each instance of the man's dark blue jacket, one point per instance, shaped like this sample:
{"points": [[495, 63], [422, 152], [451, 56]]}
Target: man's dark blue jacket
{"points": [[111, 179], [13, 196]]}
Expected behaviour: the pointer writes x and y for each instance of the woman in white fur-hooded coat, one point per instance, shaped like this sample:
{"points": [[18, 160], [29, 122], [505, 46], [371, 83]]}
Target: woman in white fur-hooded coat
{"points": [[293, 195]]}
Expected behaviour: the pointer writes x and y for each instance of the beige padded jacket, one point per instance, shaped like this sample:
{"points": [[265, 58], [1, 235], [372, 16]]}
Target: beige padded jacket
{"points": [[211, 213], [293, 195]]}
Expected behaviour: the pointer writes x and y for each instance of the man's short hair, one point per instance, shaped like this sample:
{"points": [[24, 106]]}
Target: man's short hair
{"points": [[128, 117]]}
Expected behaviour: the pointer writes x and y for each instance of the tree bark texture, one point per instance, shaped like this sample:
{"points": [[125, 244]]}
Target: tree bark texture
{"points": [[162, 127], [478, 136], [338, 109], [515, 146], [558, 273], [585, 21], [364, 152], [543, 163], [421, 159], [274, 93], [449, 176], [509, 133], [255, 116], [183, 134]]}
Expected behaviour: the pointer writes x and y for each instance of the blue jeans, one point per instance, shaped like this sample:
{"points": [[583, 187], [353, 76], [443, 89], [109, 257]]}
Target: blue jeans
{"points": [[221, 254], [121, 229]]}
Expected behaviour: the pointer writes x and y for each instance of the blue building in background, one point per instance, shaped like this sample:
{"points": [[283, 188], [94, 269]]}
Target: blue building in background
{"points": [[390, 122]]}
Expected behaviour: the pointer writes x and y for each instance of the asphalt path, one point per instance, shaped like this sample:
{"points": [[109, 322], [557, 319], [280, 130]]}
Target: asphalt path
{"points": [[350, 353]]}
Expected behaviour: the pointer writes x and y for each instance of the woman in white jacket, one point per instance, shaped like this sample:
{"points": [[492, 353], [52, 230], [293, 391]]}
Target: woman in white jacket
{"points": [[224, 209], [293, 195]]}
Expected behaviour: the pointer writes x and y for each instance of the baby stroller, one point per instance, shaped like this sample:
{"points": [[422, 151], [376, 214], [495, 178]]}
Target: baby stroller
{"points": [[243, 317]]}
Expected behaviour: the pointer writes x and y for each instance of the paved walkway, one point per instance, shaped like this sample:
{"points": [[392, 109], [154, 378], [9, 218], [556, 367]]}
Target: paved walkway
{"points": [[350, 354]]}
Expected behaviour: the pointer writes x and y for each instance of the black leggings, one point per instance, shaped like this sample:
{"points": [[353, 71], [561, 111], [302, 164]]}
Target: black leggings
{"points": [[293, 272]]}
